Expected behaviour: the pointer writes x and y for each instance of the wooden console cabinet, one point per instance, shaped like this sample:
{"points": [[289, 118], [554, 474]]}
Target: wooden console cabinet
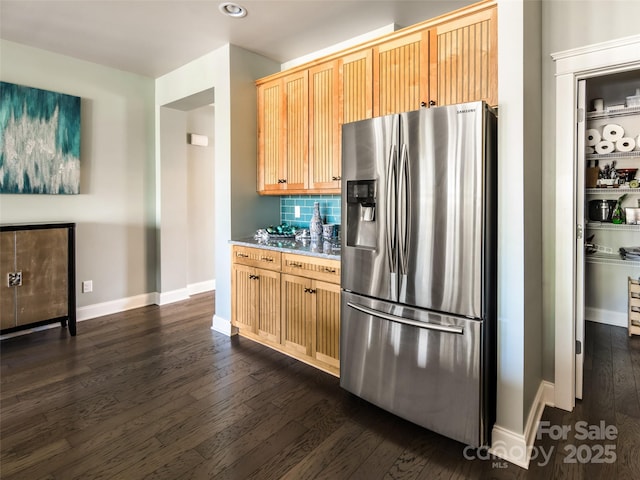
{"points": [[37, 271], [289, 302]]}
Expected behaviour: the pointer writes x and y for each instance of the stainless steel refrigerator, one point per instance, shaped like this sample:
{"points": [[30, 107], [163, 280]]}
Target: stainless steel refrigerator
{"points": [[419, 267]]}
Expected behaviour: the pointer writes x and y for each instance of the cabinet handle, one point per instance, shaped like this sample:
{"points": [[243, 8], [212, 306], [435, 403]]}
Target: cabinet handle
{"points": [[267, 259], [329, 270], [309, 290], [242, 255], [432, 103], [282, 180], [296, 264], [254, 277], [14, 279], [335, 179]]}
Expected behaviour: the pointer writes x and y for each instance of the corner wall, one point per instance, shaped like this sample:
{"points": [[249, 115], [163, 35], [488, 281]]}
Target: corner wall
{"points": [[115, 236], [231, 72]]}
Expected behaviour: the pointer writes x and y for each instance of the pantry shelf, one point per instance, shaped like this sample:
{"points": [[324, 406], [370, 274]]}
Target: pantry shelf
{"points": [[619, 112], [612, 226], [610, 259], [614, 155]]}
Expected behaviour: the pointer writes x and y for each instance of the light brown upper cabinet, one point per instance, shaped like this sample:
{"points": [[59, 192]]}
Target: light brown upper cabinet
{"points": [[446, 60], [401, 74], [340, 91], [324, 127], [464, 65], [283, 122], [356, 86]]}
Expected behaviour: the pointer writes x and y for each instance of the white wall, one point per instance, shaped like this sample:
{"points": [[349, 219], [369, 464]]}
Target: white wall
{"points": [[114, 211], [519, 271], [231, 72], [172, 206], [201, 212]]}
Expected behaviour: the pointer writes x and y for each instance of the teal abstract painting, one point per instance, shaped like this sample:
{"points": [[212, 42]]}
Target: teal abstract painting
{"points": [[39, 141]]}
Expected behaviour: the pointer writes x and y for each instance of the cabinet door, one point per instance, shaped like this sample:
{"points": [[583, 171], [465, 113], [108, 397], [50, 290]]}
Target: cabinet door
{"points": [[7, 293], [296, 130], [268, 318], [327, 323], [42, 256], [464, 62], [297, 310], [356, 87], [244, 288], [324, 127], [400, 74], [270, 139]]}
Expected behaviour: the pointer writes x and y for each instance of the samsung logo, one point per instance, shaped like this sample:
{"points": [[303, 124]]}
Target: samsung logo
{"points": [[468, 110]]}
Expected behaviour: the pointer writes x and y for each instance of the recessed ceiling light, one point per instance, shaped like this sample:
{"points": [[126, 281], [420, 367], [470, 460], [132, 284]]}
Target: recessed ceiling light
{"points": [[233, 10]]}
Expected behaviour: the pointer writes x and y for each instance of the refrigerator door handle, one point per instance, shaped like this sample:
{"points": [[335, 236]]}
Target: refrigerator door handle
{"points": [[406, 321], [404, 210], [391, 195]]}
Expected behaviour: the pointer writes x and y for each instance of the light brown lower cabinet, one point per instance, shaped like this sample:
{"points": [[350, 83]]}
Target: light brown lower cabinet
{"points": [[297, 314]]}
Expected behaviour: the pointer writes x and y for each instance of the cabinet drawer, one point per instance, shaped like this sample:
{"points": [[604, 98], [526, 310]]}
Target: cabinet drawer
{"points": [[312, 267], [256, 257]]}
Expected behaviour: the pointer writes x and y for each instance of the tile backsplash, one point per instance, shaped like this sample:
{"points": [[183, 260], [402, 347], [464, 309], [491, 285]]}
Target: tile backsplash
{"points": [[329, 209]]}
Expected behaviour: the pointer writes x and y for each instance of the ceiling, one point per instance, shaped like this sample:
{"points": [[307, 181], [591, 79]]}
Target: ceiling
{"points": [[152, 38]]}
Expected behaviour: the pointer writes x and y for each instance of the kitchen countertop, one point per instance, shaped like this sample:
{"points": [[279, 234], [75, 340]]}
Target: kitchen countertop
{"points": [[329, 250]]}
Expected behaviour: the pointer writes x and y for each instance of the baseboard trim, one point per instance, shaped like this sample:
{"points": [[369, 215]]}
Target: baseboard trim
{"points": [[173, 296], [517, 447], [608, 317], [201, 287], [122, 305], [115, 306], [222, 325]]}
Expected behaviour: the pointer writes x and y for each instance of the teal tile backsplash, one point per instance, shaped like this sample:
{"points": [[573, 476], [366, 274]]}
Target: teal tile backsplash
{"points": [[329, 209]]}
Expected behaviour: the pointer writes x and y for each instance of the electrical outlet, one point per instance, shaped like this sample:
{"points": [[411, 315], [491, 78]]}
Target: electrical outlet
{"points": [[87, 286], [296, 211]]}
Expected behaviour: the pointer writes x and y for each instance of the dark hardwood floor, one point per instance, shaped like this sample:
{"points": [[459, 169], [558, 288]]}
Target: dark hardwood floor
{"points": [[155, 393]]}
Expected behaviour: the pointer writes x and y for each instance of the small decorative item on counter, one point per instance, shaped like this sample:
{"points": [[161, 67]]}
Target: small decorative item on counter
{"points": [[634, 184], [261, 234], [315, 226], [302, 235], [618, 214], [280, 231], [328, 231]]}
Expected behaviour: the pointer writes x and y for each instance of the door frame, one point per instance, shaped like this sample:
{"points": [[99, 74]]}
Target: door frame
{"points": [[571, 66]]}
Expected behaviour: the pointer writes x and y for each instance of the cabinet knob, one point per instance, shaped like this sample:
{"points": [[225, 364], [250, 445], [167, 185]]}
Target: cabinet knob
{"points": [[242, 255], [282, 180], [14, 279], [296, 264], [432, 103], [329, 270], [267, 259], [335, 179], [309, 290]]}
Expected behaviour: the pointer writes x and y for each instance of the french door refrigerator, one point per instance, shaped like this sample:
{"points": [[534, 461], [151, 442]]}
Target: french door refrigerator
{"points": [[418, 303]]}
